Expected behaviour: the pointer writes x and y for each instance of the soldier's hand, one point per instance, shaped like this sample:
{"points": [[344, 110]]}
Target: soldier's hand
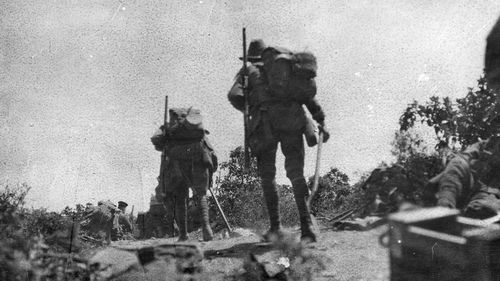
{"points": [[326, 133], [444, 202], [159, 139]]}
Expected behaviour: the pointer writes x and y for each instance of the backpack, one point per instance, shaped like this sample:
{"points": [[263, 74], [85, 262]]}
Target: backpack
{"points": [[290, 76], [186, 124]]}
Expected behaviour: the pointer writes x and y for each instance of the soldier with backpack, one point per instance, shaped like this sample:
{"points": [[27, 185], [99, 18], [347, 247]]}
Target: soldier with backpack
{"points": [[279, 84], [190, 160]]}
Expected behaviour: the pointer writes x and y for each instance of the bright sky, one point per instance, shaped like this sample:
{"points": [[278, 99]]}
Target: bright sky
{"points": [[82, 83]]}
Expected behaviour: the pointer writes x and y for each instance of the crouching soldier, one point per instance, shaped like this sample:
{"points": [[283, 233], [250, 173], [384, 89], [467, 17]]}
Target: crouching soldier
{"points": [[189, 160], [471, 182], [279, 84]]}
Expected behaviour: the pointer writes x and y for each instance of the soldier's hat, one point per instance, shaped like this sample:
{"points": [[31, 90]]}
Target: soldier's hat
{"points": [[254, 50], [122, 204]]}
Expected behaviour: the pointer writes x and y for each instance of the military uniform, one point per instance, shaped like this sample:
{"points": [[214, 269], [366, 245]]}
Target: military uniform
{"points": [[187, 166], [276, 120], [470, 181], [164, 196], [124, 220]]}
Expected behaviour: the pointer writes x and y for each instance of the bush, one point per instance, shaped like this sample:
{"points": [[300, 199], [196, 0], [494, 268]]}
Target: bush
{"points": [[29, 238], [40, 222], [241, 198], [14, 244], [334, 194]]}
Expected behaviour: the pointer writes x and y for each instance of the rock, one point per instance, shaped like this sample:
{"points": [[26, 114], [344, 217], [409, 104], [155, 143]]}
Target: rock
{"points": [[111, 262], [241, 232], [273, 269], [186, 257], [362, 224]]}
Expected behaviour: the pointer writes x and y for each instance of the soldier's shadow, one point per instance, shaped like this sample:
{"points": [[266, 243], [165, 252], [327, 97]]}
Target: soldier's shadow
{"points": [[240, 250]]}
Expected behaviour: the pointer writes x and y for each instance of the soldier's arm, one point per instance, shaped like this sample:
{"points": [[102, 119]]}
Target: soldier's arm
{"points": [[159, 139], [236, 96], [316, 111], [318, 115], [452, 184]]}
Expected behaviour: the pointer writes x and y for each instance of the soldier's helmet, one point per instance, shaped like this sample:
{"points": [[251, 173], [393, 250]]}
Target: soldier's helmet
{"points": [[255, 50], [492, 57]]}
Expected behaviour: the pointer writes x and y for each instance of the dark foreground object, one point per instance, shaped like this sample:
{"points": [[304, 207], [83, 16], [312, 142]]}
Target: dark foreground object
{"points": [[437, 244]]}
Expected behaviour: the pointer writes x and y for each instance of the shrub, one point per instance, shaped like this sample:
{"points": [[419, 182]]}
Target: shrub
{"points": [[332, 194], [241, 198], [29, 238]]}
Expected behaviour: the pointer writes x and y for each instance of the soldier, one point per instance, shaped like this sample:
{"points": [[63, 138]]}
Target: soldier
{"points": [[123, 220], [190, 159], [471, 181], [277, 116]]}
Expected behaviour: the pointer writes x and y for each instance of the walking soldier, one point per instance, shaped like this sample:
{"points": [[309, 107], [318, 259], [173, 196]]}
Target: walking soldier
{"points": [[189, 161], [279, 84]]}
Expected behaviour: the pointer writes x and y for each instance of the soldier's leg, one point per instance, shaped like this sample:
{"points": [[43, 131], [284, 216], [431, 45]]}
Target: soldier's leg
{"points": [[181, 210], [169, 204], [292, 146], [200, 187], [266, 162]]}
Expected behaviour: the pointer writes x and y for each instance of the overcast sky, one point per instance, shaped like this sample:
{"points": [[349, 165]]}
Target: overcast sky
{"points": [[82, 83]]}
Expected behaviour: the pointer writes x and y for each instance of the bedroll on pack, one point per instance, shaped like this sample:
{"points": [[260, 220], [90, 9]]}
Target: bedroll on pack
{"points": [[186, 124], [289, 75]]}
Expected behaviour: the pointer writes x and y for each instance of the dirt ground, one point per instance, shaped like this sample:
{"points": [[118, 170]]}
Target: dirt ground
{"points": [[348, 255]]}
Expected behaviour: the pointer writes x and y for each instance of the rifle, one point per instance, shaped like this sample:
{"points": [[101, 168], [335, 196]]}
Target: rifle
{"points": [[244, 84], [164, 151], [217, 203], [131, 218]]}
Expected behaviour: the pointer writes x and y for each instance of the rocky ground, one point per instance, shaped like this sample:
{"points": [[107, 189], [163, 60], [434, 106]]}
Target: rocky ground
{"points": [[344, 255]]}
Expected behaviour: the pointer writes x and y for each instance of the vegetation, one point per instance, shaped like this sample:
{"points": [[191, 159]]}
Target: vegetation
{"points": [[464, 121], [241, 197], [456, 124], [36, 244]]}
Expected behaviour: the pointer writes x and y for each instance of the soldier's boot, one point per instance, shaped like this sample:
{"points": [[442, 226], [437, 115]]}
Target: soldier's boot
{"points": [[205, 220], [272, 203], [300, 191], [181, 214]]}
